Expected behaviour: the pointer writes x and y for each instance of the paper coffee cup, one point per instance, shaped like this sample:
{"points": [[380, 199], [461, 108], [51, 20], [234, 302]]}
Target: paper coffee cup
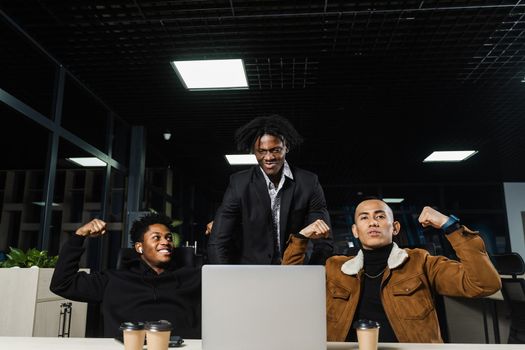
{"points": [[367, 334], [133, 334], [158, 334]]}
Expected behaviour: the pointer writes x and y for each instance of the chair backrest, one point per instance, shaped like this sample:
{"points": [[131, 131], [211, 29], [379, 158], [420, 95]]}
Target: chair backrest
{"points": [[509, 264], [513, 289], [185, 256], [123, 255]]}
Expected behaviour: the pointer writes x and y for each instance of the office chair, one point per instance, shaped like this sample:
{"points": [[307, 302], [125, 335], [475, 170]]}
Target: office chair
{"points": [[513, 290], [123, 255]]}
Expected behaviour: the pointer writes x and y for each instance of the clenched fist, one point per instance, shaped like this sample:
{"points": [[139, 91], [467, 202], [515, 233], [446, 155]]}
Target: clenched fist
{"points": [[209, 226], [431, 217], [93, 228], [317, 229]]}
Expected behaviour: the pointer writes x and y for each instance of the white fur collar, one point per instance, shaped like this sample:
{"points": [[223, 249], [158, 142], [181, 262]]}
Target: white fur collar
{"points": [[353, 266]]}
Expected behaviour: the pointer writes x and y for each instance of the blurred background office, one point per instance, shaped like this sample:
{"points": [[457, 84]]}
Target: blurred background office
{"points": [[374, 87]]}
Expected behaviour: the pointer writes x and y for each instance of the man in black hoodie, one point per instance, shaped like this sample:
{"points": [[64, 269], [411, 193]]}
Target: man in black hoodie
{"points": [[148, 287]]}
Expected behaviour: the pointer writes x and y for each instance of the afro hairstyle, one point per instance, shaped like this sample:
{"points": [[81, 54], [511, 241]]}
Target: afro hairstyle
{"points": [[274, 125]]}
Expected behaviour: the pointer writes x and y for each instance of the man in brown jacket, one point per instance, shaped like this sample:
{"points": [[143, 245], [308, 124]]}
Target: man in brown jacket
{"points": [[395, 286]]}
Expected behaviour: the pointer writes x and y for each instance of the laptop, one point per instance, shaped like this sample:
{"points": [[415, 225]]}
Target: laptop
{"points": [[263, 307]]}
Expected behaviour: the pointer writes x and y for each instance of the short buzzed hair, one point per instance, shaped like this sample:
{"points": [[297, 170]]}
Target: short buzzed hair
{"points": [[141, 226], [372, 198]]}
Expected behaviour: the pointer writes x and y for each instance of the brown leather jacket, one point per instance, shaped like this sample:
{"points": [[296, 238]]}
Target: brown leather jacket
{"points": [[411, 278]]}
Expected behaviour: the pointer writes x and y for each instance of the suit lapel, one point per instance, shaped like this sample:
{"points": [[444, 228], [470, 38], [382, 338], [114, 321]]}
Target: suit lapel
{"points": [[260, 189], [286, 202]]}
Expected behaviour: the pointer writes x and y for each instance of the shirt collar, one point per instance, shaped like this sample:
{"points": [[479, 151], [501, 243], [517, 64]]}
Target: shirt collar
{"points": [[395, 259], [286, 172]]}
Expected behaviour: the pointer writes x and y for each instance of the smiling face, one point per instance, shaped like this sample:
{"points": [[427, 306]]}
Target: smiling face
{"points": [[270, 152], [156, 247], [374, 224]]}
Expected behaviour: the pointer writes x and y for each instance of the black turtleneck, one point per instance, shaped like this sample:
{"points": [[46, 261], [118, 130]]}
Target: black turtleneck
{"points": [[370, 306]]}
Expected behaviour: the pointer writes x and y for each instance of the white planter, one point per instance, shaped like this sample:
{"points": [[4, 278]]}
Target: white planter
{"points": [[28, 308]]}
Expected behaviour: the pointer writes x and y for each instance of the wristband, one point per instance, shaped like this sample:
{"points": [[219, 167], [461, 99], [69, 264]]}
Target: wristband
{"points": [[451, 225]]}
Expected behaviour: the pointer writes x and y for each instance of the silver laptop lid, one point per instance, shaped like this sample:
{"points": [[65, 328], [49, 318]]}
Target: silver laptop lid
{"points": [[263, 307]]}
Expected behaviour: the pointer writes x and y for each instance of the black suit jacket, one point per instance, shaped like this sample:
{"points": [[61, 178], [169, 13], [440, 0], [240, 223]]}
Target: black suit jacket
{"points": [[242, 229]]}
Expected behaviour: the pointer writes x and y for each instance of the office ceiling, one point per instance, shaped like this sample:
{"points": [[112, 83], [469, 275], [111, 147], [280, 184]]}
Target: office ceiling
{"points": [[373, 86]]}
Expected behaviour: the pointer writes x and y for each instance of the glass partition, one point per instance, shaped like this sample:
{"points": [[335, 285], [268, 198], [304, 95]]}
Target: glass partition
{"points": [[121, 139], [116, 214], [78, 193], [24, 152], [487, 216], [25, 72], [84, 116]]}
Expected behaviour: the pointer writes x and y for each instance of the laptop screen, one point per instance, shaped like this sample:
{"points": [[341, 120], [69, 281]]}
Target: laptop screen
{"points": [[262, 307]]}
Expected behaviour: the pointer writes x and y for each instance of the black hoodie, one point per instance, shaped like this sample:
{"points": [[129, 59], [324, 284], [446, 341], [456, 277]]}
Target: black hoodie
{"points": [[133, 293]]}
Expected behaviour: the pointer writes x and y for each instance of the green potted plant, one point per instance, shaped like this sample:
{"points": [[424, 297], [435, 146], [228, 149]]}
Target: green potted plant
{"points": [[32, 257]]}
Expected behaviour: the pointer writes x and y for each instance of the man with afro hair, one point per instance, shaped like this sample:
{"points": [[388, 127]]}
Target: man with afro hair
{"points": [[267, 203]]}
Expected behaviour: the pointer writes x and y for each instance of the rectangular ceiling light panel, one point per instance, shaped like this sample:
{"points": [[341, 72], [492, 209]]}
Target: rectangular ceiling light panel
{"points": [[393, 200], [42, 204], [241, 159], [449, 156], [211, 74], [87, 161]]}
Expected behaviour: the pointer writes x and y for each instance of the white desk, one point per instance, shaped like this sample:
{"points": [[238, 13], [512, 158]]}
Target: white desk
{"points": [[27, 343]]}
